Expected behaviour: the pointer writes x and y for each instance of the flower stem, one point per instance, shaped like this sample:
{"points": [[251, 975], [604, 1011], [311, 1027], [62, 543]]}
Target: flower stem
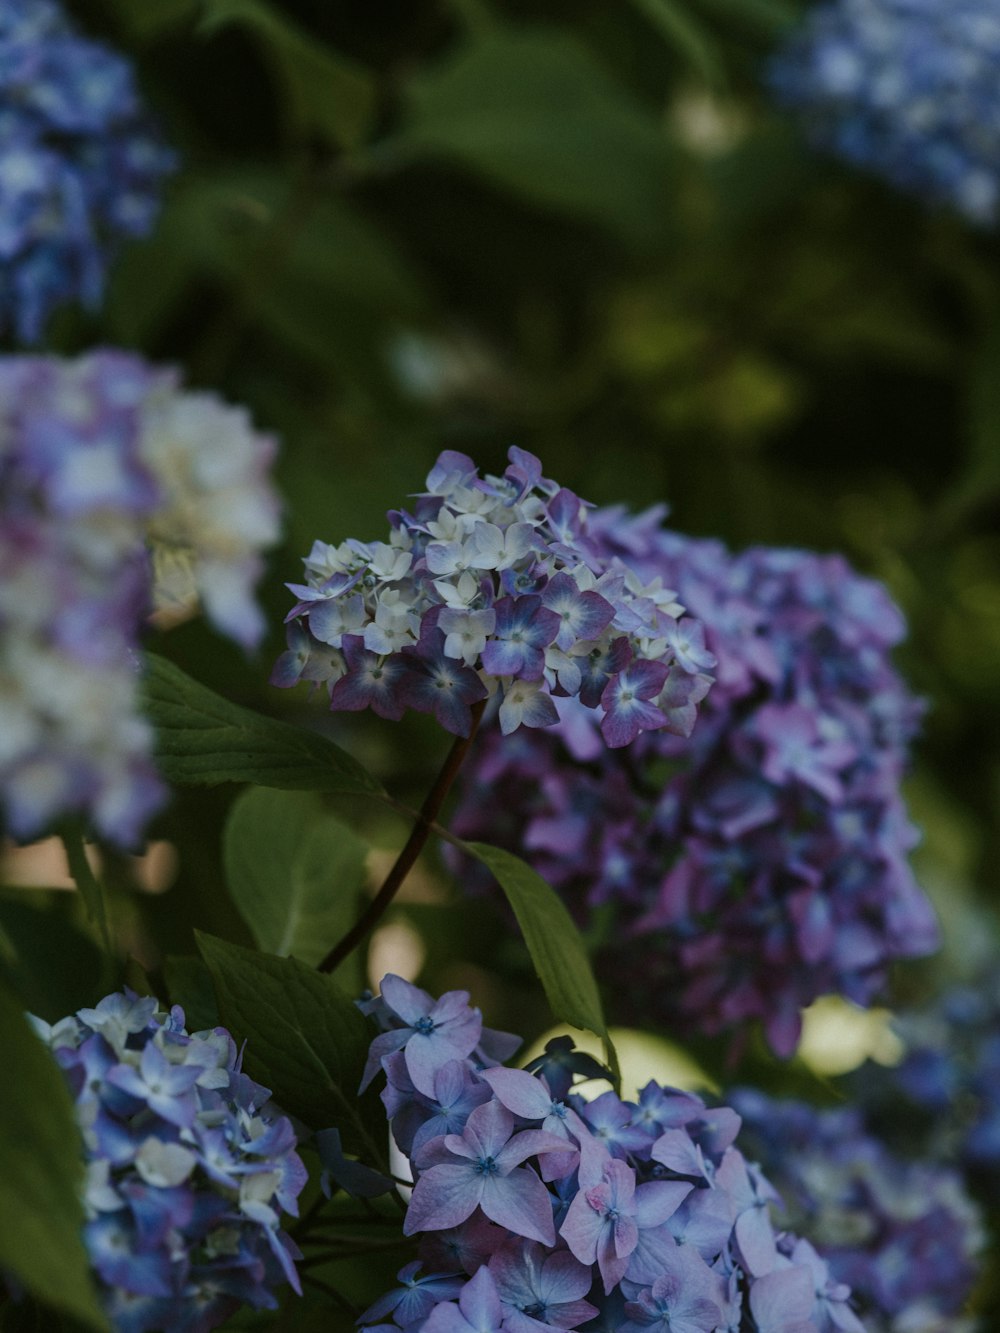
{"points": [[425, 820]]}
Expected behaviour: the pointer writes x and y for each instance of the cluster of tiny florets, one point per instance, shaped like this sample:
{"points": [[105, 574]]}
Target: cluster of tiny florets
{"points": [[536, 1209], [81, 164], [103, 460], [904, 1235], [761, 862], [189, 1167], [946, 1089], [491, 587], [906, 89]]}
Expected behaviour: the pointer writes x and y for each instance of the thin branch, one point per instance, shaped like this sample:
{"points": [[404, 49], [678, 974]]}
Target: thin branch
{"points": [[425, 822]]}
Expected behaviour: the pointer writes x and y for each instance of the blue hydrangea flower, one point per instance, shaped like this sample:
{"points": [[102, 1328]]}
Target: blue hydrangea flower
{"points": [[81, 164], [758, 860], [904, 1235], [946, 1088], [492, 587], [189, 1167], [536, 1210], [906, 89], [120, 495]]}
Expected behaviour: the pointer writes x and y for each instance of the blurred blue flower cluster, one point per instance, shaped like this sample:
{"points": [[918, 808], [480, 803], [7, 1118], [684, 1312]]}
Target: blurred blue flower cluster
{"points": [[905, 1235], [81, 164], [949, 1077], [102, 459], [906, 89], [189, 1167], [761, 862], [536, 1209]]}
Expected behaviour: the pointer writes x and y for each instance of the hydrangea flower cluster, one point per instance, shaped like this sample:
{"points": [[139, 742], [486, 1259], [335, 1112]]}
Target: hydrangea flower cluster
{"points": [[189, 1167], [762, 862], [535, 1209], [904, 1235], [99, 456], [904, 88], [949, 1076], [492, 587], [81, 164]]}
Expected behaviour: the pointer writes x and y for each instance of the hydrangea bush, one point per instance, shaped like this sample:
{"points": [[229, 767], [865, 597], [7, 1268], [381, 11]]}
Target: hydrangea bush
{"points": [[763, 861], [905, 89], [701, 751], [119, 493], [81, 164], [537, 1209], [189, 1167], [905, 1235], [945, 1092]]}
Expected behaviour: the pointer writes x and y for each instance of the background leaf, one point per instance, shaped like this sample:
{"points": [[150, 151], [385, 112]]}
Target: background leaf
{"points": [[54, 967], [325, 90], [41, 1170], [202, 739], [293, 871], [533, 112]]}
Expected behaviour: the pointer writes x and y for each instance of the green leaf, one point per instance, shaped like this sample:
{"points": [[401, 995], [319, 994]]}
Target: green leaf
{"points": [[306, 1040], [189, 984], [41, 1171], [325, 90], [769, 17], [293, 871], [685, 34], [553, 942], [533, 112], [53, 966], [91, 889], [203, 739]]}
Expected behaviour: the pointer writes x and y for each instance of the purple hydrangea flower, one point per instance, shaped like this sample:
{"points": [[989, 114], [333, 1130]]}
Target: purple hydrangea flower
{"points": [[760, 861], [189, 1167], [903, 1235], [120, 495], [518, 1191], [948, 1082], [492, 588], [81, 164]]}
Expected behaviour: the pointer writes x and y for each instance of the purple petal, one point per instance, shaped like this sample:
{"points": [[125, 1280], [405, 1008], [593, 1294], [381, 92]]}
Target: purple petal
{"points": [[444, 1196], [521, 1203]]}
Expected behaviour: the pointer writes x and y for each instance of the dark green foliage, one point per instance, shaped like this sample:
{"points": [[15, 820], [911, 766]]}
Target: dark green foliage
{"points": [[202, 739], [40, 1172]]}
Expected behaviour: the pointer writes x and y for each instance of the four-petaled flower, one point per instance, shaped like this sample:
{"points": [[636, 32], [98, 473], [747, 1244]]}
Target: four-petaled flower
{"points": [[481, 1168]]}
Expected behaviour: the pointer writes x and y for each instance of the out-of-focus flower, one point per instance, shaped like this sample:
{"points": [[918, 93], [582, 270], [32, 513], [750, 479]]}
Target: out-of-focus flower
{"points": [[493, 587], [189, 1167], [761, 862], [903, 1234], [81, 164], [906, 89], [102, 460]]}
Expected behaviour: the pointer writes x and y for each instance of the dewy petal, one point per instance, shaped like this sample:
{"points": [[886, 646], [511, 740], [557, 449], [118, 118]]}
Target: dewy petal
{"points": [[443, 1197], [521, 1203]]}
